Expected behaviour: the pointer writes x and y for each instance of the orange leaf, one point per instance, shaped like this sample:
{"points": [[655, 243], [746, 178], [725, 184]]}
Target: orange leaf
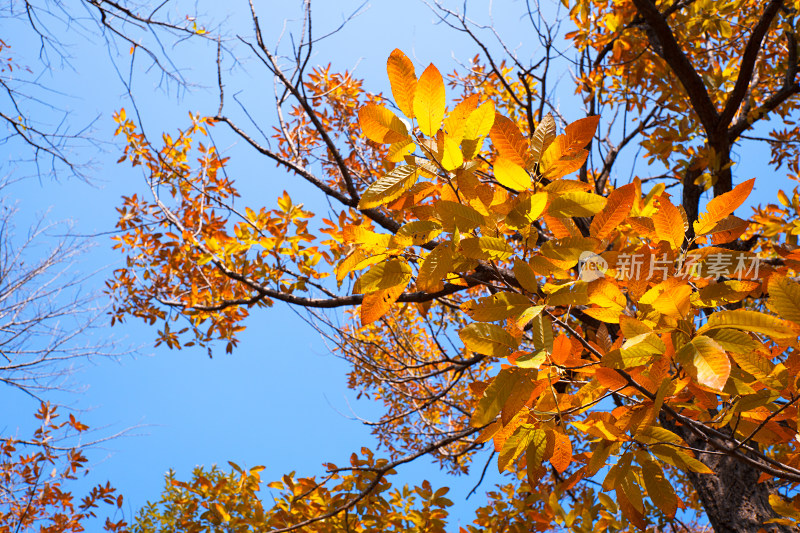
{"points": [[558, 160], [668, 223], [403, 81], [610, 378], [381, 125], [728, 229], [616, 210], [562, 452], [376, 304], [722, 206], [580, 133], [508, 140], [429, 101]]}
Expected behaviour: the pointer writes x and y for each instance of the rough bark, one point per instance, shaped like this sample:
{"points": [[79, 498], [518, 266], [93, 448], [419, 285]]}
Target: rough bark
{"points": [[732, 498]]}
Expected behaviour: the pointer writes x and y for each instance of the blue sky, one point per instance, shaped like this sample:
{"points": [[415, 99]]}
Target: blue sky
{"points": [[280, 399]]}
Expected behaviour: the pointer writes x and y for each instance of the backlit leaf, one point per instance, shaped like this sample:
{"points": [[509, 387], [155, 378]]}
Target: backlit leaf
{"points": [[509, 142], [376, 304], [381, 125], [617, 209], [706, 360], [525, 276], [487, 339], [389, 187], [429, 101], [509, 174], [416, 233], [542, 137], [746, 320], [383, 276], [403, 81], [542, 332], [498, 306], [784, 298], [456, 122], [527, 210], [458, 216], [486, 248], [668, 223], [576, 204], [515, 445], [495, 396], [435, 267], [722, 206], [562, 452]]}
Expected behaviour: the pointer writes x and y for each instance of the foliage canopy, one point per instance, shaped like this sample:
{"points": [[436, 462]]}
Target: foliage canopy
{"points": [[629, 354]]}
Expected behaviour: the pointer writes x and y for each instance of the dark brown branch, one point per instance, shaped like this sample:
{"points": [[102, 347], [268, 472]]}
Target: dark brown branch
{"points": [[748, 63], [681, 66]]}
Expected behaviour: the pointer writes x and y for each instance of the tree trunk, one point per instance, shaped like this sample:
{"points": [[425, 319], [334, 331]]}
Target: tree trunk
{"points": [[732, 498]]}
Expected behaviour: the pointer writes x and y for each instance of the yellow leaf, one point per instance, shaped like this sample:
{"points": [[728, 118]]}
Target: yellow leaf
{"points": [[389, 187], [435, 267], [565, 253], [529, 314], [542, 333], [617, 209], [680, 459], [784, 507], [508, 141], [716, 294], [498, 306], [556, 163], [784, 298], [383, 276], [728, 229], [458, 216], [573, 293], [527, 211], [358, 259], [456, 122], [749, 321], [416, 233], [722, 206], [576, 204], [486, 248], [659, 488], [509, 174], [222, 512], [480, 122], [536, 454], [403, 81], [487, 339], [429, 101], [400, 149], [525, 276], [381, 125], [451, 153], [495, 396], [674, 302], [517, 443], [706, 360]]}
